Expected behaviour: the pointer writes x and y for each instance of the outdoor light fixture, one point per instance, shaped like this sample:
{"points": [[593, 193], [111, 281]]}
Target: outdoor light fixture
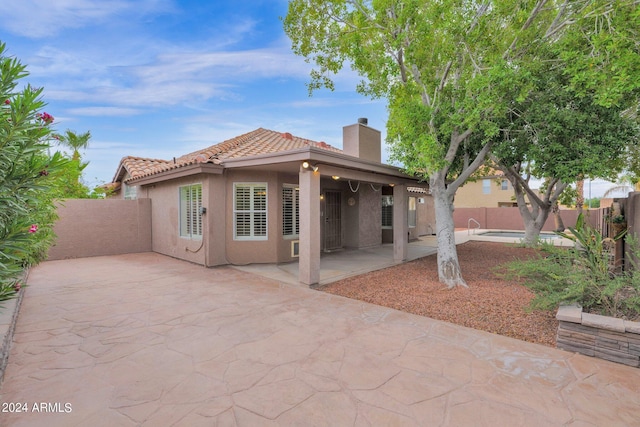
{"points": [[335, 177], [307, 165]]}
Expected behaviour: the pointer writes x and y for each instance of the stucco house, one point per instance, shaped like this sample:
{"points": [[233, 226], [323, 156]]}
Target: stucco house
{"points": [[487, 191], [271, 197]]}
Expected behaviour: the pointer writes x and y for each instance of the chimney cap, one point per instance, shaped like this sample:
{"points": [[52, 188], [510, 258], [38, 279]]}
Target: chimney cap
{"points": [[363, 121]]}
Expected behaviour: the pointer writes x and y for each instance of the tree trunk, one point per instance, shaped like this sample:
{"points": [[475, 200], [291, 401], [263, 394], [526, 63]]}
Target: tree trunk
{"points": [[448, 266], [557, 218], [580, 196], [534, 217], [533, 226]]}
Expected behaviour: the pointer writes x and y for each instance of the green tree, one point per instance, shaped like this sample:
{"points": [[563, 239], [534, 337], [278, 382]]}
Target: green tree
{"points": [[601, 51], [448, 69], [560, 137], [27, 173]]}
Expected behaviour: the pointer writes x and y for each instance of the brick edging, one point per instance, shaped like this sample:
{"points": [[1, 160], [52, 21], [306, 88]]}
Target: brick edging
{"points": [[604, 337], [7, 339]]}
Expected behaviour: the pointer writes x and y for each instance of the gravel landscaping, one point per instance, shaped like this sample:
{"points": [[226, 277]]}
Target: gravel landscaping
{"points": [[491, 303]]}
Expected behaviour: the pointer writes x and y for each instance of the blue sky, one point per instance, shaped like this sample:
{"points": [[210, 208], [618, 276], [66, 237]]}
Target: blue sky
{"points": [[161, 78]]}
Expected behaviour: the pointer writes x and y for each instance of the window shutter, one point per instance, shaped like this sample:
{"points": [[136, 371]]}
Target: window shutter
{"points": [[250, 211], [190, 206], [290, 211]]}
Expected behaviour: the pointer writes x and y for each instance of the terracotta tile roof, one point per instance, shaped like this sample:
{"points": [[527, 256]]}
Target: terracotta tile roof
{"points": [[140, 166], [259, 141]]}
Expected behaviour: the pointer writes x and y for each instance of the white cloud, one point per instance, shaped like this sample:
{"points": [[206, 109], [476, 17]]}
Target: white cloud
{"points": [[169, 79], [104, 111], [46, 18]]}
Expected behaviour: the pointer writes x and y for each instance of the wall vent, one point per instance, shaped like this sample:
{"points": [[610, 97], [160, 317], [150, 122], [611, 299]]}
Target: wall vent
{"points": [[295, 248]]}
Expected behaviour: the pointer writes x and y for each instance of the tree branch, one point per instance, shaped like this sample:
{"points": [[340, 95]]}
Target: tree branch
{"points": [[466, 173], [511, 171], [532, 16]]}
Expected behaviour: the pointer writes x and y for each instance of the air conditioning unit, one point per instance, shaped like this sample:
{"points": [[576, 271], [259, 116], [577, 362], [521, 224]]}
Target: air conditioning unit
{"points": [[295, 248]]}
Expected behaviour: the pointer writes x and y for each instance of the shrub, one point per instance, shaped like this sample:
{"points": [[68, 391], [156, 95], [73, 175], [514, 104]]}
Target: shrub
{"points": [[27, 174], [583, 274]]}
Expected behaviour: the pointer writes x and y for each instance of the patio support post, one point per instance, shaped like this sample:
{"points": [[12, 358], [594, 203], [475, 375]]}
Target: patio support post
{"points": [[309, 260], [400, 223]]}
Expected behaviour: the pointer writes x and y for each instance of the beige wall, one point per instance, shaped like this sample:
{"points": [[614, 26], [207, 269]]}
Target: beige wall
{"points": [[471, 195], [509, 218], [165, 219], [89, 227], [426, 215], [254, 251], [283, 242], [361, 222], [215, 221]]}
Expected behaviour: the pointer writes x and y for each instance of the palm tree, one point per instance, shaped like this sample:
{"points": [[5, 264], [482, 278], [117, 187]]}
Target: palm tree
{"points": [[624, 184], [580, 196], [75, 141]]}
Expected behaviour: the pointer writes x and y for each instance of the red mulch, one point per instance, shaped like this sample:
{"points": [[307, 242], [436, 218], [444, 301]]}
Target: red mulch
{"points": [[490, 303]]}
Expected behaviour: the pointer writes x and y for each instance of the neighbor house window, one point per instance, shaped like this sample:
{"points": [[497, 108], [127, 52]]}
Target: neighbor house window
{"points": [[191, 211], [486, 186], [250, 211], [290, 210], [505, 184], [412, 212], [387, 211]]}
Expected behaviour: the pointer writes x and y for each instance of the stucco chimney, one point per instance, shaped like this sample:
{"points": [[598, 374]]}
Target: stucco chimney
{"points": [[359, 140]]}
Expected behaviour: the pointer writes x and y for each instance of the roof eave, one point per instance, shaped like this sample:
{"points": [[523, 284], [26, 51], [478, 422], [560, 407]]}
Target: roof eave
{"points": [[317, 155], [179, 172]]}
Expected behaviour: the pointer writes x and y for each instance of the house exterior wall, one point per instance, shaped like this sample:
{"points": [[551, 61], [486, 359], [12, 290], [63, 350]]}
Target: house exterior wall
{"points": [[361, 224], [165, 219], [369, 223], [254, 251], [284, 242], [89, 227], [426, 222], [471, 194], [215, 220]]}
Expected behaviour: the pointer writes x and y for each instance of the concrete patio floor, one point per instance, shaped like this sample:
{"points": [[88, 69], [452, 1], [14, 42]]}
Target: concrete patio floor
{"points": [[341, 264], [346, 263], [148, 340]]}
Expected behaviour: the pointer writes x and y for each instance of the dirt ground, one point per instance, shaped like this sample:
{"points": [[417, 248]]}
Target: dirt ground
{"points": [[490, 303]]}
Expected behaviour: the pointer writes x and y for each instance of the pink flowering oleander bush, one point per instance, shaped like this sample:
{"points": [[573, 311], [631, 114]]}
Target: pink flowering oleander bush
{"points": [[28, 175]]}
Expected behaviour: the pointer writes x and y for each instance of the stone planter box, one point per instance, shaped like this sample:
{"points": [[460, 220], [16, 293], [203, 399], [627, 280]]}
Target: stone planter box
{"points": [[604, 337]]}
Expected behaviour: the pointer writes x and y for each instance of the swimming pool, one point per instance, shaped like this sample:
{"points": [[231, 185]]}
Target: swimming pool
{"points": [[515, 234]]}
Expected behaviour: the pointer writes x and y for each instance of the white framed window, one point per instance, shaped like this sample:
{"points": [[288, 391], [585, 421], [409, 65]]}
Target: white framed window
{"points": [[290, 210], [387, 211], [191, 211], [504, 185], [486, 186], [412, 212], [250, 211]]}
